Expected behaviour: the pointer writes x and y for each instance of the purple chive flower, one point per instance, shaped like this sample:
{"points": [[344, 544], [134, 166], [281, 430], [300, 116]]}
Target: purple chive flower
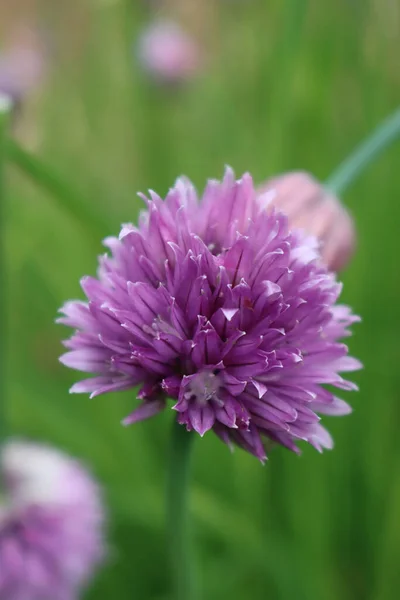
{"points": [[217, 305], [168, 53], [51, 522], [22, 65]]}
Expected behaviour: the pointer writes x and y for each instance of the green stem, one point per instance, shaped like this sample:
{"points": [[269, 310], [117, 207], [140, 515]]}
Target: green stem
{"points": [[386, 133], [178, 514], [5, 109], [67, 198]]}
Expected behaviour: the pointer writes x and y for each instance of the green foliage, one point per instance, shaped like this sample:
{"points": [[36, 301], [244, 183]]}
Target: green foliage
{"points": [[287, 85]]}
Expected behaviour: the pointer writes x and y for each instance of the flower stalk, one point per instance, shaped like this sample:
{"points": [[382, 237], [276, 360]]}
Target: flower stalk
{"points": [[369, 149], [5, 109], [178, 527]]}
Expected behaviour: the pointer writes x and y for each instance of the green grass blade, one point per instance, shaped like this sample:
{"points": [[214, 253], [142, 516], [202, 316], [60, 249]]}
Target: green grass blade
{"points": [[67, 197]]}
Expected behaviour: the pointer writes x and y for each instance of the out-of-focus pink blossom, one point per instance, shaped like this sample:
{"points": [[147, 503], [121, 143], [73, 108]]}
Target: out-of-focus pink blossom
{"points": [[168, 53], [22, 64], [311, 207]]}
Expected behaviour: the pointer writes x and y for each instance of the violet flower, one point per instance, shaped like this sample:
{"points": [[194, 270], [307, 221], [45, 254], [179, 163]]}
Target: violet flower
{"points": [[218, 306], [51, 524]]}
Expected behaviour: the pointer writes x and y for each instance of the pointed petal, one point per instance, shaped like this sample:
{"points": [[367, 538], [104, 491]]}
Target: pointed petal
{"points": [[144, 411], [202, 418]]}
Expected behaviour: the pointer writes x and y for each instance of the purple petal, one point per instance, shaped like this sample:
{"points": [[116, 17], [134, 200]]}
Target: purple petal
{"points": [[337, 407], [202, 418], [86, 359], [144, 411]]}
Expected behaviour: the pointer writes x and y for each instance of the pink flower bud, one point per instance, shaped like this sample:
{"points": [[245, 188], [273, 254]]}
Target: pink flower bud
{"points": [[311, 207]]}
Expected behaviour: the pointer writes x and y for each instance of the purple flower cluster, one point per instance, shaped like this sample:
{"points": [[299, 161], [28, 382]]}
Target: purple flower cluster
{"points": [[217, 305], [51, 524]]}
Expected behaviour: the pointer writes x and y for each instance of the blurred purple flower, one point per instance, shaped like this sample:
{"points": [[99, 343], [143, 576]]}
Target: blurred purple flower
{"points": [[168, 53], [310, 207], [216, 305], [51, 524], [21, 65]]}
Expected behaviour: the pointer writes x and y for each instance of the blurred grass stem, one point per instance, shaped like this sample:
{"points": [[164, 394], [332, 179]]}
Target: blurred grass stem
{"points": [[5, 110], [69, 200], [178, 514], [386, 133]]}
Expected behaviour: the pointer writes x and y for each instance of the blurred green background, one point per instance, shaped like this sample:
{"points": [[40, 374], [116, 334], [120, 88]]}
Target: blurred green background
{"points": [[285, 84]]}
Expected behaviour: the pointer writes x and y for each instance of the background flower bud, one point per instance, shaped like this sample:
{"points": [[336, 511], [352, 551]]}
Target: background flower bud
{"points": [[311, 207]]}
